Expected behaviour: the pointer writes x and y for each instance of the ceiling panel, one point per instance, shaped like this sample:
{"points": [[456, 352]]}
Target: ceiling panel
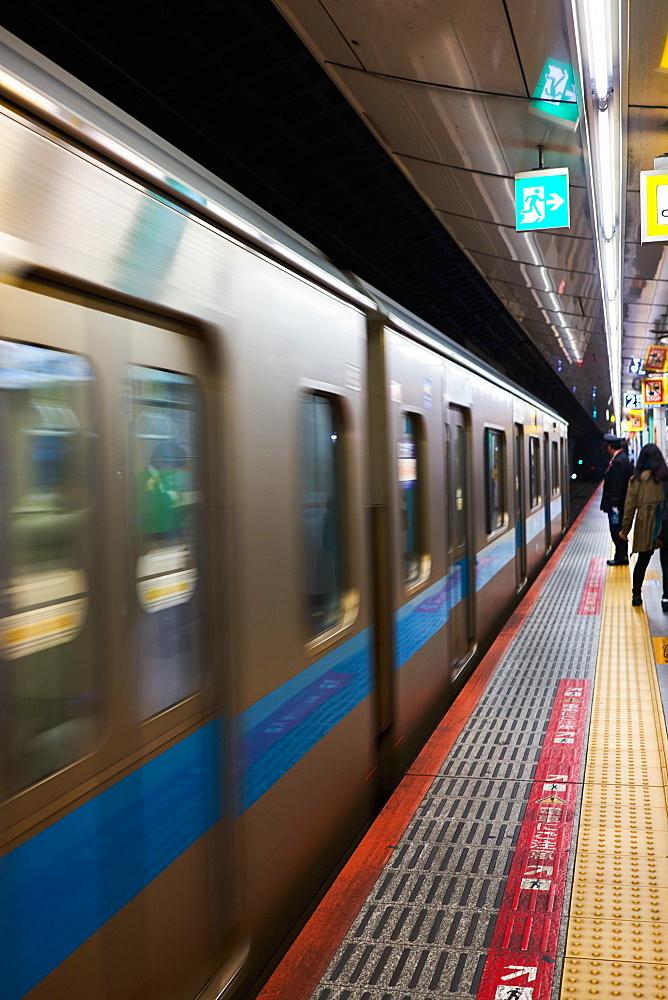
{"points": [[537, 276], [538, 314], [453, 44], [494, 135], [314, 24], [568, 304], [645, 314], [648, 81], [645, 264], [537, 46], [486, 197], [549, 248]]}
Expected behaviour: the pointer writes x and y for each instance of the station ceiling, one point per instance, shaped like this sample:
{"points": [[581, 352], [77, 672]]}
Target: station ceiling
{"points": [[395, 161]]}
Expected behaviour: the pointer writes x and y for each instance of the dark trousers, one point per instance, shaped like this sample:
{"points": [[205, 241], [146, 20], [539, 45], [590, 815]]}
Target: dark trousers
{"points": [[621, 547], [641, 566]]}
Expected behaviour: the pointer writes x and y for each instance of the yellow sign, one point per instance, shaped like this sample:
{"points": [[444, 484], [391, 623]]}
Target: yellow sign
{"points": [[653, 391], [637, 420], [660, 644], [656, 358], [653, 206]]}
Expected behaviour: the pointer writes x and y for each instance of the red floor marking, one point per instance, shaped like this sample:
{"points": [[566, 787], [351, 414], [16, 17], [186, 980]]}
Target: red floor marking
{"points": [[304, 964], [521, 960], [592, 595]]}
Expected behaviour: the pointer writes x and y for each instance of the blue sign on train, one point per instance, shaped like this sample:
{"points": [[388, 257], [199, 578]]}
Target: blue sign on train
{"points": [[541, 199]]}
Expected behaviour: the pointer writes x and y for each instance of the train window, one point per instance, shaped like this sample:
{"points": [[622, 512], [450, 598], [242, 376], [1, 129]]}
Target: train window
{"points": [[166, 504], [47, 505], [555, 469], [534, 472], [460, 484], [495, 479], [448, 487], [322, 512], [410, 485]]}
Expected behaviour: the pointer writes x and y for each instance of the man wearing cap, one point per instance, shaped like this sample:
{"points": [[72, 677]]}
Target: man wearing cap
{"points": [[616, 480]]}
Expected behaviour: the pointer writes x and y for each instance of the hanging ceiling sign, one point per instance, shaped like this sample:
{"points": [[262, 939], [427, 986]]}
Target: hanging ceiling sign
{"points": [[654, 391], [541, 199], [656, 359], [555, 95], [632, 400], [653, 206]]}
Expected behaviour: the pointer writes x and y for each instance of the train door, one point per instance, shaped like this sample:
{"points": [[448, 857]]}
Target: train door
{"points": [[166, 433], [117, 750], [547, 492], [458, 449], [565, 484], [520, 507]]}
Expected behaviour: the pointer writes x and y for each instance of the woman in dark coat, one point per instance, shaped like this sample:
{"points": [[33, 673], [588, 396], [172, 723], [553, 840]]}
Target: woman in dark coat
{"points": [[643, 501]]}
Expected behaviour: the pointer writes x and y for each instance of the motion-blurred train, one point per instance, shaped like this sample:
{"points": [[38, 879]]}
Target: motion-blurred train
{"points": [[257, 524]]}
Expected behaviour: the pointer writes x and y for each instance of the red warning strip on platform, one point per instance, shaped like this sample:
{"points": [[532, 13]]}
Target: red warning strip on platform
{"points": [[592, 595], [521, 960]]}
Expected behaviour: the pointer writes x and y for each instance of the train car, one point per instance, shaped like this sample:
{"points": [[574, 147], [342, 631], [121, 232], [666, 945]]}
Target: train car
{"points": [[257, 526]]}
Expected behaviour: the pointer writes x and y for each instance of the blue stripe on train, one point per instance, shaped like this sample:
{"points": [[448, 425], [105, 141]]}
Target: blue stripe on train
{"points": [[282, 727], [419, 620], [60, 887]]}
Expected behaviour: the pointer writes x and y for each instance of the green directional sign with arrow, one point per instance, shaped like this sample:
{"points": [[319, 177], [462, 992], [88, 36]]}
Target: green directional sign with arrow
{"points": [[541, 200]]}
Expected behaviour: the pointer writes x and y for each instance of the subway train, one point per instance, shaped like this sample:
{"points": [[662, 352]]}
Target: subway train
{"points": [[258, 524]]}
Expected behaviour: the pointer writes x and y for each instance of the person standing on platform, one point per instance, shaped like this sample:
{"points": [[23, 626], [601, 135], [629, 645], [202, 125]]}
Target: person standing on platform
{"points": [[615, 483], [643, 501]]}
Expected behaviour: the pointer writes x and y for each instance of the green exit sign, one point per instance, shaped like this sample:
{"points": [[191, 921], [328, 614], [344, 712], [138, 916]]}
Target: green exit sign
{"points": [[541, 200], [554, 96]]}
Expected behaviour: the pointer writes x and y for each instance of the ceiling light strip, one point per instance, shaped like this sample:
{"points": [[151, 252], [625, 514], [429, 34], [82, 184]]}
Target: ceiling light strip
{"points": [[598, 31]]}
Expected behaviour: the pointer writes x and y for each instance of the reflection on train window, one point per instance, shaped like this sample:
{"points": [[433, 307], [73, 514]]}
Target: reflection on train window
{"points": [[410, 487], [556, 486], [495, 479], [447, 486], [460, 485], [322, 512], [47, 500], [166, 502], [534, 472]]}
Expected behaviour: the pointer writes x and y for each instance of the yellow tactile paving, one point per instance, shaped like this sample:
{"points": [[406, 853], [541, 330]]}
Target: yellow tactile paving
{"points": [[605, 800], [600, 842], [586, 980], [625, 866], [641, 902], [620, 940], [617, 943]]}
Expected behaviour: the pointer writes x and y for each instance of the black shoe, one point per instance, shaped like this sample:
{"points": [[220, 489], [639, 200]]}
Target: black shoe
{"points": [[637, 601], [618, 562], [664, 605]]}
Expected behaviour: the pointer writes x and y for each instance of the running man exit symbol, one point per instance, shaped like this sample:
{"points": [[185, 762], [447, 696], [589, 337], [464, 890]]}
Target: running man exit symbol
{"points": [[541, 200]]}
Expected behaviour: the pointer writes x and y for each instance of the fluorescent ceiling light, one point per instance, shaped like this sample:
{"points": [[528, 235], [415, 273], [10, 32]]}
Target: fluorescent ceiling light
{"points": [[606, 173], [610, 269], [598, 47]]}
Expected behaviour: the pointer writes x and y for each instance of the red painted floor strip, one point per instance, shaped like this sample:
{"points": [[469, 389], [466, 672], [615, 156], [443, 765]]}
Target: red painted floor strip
{"points": [[592, 594], [305, 962], [521, 960]]}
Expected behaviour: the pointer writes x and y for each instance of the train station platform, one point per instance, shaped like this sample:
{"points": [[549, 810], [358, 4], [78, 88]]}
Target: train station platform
{"points": [[524, 855]]}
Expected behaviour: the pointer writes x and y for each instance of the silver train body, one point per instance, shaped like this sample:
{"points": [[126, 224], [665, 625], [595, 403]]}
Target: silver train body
{"points": [[257, 525]]}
